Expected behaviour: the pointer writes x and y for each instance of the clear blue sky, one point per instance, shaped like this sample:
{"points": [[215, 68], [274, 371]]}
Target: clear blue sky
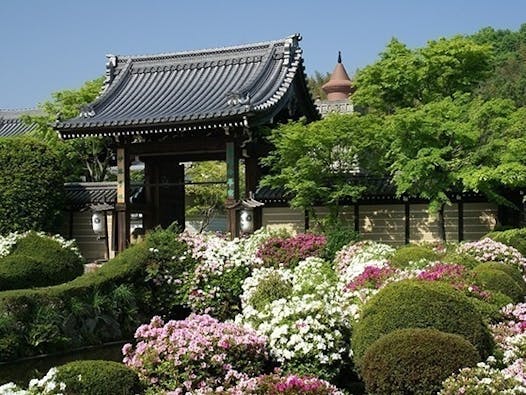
{"points": [[58, 44]]}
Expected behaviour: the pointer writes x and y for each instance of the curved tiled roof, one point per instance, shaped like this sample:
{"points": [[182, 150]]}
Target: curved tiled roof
{"points": [[200, 89], [12, 125]]}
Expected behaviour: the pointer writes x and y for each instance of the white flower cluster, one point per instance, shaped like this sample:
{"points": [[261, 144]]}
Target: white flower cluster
{"points": [[47, 385], [310, 324], [361, 254]]}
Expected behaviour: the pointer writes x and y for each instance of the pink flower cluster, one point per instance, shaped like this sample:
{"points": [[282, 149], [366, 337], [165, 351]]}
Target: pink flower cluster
{"points": [[443, 271], [288, 385], [456, 275], [513, 324], [488, 250], [195, 353], [287, 252], [371, 277]]}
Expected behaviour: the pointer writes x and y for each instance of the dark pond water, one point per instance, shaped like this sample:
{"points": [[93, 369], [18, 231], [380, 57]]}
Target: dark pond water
{"points": [[22, 371]]}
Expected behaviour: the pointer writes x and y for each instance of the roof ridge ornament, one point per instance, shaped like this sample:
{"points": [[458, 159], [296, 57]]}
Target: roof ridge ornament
{"points": [[87, 111], [111, 64], [235, 98]]}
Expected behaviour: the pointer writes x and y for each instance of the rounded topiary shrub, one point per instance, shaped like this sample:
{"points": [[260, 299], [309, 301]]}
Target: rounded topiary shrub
{"points": [[415, 361], [57, 263], [511, 270], [498, 280], [412, 254], [20, 271], [420, 304], [98, 378]]}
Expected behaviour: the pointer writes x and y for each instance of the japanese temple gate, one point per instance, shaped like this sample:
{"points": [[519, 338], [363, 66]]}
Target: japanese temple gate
{"points": [[193, 106]]}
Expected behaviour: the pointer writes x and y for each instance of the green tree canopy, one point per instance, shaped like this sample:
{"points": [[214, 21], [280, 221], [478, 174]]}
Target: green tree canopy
{"points": [[31, 186], [314, 163], [405, 78], [88, 157], [205, 197]]}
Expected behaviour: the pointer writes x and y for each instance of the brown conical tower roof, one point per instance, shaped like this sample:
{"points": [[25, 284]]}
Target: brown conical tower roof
{"points": [[339, 86]]}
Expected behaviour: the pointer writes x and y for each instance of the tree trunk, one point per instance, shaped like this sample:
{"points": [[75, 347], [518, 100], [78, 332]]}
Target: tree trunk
{"points": [[441, 223]]}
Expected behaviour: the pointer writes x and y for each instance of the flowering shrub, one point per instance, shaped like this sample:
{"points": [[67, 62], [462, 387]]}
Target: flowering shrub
{"points": [[371, 277], [487, 250], [482, 380], [198, 352], [352, 259], [287, 252], [308, 331], [287, 385], [47, 385], [219, 274], [169, 269]]}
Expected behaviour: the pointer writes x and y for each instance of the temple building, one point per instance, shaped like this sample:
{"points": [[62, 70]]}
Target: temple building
{"points": [[172, 108]]}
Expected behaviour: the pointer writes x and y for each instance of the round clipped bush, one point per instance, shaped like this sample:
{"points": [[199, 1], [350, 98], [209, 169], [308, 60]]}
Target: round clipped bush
{"points": [[510, 270], [420, 304], [415, 361], [98, 378], [20, 271], [57, 263], [412, 254], [497, 280]]}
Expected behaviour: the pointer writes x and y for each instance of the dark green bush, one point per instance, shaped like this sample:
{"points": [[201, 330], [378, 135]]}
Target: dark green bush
{"points": [[403, 256], [31, 186], [510, 270], [491, 308], [38, 261], [338, 235], [420, 304], [20, 271], [498, 280], [415, 361], [98, 378], [513, 237]]}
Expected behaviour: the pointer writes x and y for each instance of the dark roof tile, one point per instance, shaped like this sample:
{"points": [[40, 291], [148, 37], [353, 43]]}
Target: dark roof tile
{"points": [[225, 84], [12, 125]]}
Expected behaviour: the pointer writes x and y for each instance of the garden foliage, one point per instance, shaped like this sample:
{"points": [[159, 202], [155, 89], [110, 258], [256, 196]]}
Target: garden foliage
{"points": [[31, 186], [419, 304], [415, 361], [98, 377], [36, 260]]}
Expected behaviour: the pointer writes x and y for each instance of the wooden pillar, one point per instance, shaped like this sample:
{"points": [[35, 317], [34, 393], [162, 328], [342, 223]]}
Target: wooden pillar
{"points": [[356, 217], [232, 182], [460, 221], [252, 176], [407, 223], [123, 198]]}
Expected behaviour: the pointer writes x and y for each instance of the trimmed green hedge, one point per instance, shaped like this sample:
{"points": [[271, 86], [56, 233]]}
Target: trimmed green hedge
{"points": [[415, 361], [96, 307], [493, 279], [38, 261], [403, 256], [98, 378], [511, 270], [420, 304]]}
